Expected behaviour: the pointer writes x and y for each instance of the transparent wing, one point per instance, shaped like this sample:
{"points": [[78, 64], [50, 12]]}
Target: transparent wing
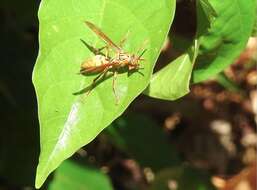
{"points": [[105, 38]]}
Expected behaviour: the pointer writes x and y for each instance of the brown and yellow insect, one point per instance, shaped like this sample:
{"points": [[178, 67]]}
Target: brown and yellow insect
{"points": [[103, 63]]}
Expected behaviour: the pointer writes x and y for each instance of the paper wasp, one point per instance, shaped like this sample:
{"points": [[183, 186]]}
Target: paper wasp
{"points": [[103, 63]]}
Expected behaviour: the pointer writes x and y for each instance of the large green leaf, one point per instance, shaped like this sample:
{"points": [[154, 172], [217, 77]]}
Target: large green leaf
{"points": [[172, 82], [71, 175], [207, 8], [68, 121], [226, 37]]}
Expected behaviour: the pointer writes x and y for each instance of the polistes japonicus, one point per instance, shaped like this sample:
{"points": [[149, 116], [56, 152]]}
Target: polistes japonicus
{"points": [[103, 63]]}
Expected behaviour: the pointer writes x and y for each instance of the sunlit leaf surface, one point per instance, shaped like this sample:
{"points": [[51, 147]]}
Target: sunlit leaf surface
{"points": [[68, 121]]}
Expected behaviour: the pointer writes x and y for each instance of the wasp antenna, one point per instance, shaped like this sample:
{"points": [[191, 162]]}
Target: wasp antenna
{"points": [[90, 24], [139, 57]]}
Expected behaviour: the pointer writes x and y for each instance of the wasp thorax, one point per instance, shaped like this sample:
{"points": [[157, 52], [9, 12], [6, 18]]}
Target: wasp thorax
{"points": [[124, 57]]}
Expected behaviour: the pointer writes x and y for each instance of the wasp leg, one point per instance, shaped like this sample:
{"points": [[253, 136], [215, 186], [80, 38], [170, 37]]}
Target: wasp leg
{"points": [[94, 50], [101, 75], [107, 52], [142, 48], [113, 87], [98, 50]]}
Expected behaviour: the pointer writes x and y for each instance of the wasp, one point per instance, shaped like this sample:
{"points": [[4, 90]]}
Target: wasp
{"points": [[103, 63]]}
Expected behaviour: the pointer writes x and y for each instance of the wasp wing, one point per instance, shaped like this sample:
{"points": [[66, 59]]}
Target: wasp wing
{"points": [[100, 34], [95, 69]]}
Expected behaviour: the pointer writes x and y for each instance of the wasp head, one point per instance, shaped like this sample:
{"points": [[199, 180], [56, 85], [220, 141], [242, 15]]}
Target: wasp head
{"points": [[134, 61]]}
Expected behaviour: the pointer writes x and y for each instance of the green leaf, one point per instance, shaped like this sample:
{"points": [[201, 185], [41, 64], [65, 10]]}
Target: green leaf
{"points": [[227, 83], [74, 176], [182, 178], [226, 37], [208, 9], [68, 121], [148, 145], [205, 17], [172, 82]]}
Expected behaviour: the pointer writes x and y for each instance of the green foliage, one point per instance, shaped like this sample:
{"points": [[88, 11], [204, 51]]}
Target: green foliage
{"points": [[71, 175], [149, 145], [172, 82], [68, 121], [207, 8], [219, 42], [226, 38], [224, 81]]}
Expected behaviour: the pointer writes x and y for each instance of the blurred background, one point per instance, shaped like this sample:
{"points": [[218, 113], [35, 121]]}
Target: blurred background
{"points": [[206, 139]]}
